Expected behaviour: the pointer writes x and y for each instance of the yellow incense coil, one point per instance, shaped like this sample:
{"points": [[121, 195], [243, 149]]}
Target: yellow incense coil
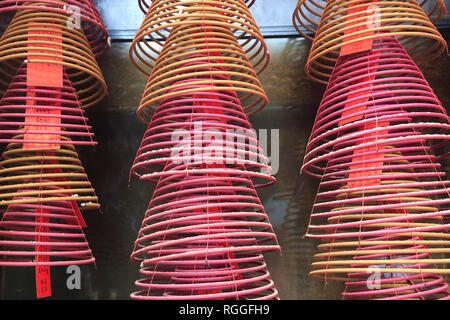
{"points": [[61, 45], [194, 60], [28, 176], [339, 26], [165, 15]]}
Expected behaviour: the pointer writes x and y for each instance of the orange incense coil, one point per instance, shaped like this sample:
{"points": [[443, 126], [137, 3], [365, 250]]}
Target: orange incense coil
{"points": [[43, 233], [145, 4], [42, 114], [307, 14], [214, 129], [354, 24], [383, 201], [60, 45], [194, 58], [83, 12], [212, 15], [388, 223], [202, 237], [35, 170]]}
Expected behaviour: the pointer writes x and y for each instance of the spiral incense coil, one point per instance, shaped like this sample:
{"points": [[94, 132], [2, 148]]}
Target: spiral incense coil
{"points": [[37, 115], [75, 11], [213, 129], [388, 219], [202, 238], [228, 20], [145, 4], [382, 85], [47, 233], [181, 71], [397, 285], [353, 23], [307, 14], [61, 46], [53, 170]]}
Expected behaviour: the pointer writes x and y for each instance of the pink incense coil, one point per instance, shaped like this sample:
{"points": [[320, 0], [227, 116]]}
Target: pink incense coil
{"points": [[83, 12], [46, 38], [202, 238], [229, 20], [385, 215], [206, 127], [38, 112], [382, 205], [44, 234], [380, 85]]}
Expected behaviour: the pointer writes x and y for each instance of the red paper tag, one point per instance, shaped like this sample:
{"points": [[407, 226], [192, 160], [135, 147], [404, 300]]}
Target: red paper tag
{"points": [[366, 172], [362, 45], [44, 74], [43, 282]]}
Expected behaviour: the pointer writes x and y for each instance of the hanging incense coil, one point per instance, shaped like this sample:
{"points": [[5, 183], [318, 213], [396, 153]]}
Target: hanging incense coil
{"points": [[383, 199], [61, 46], [307, 14], [354, 22], [202, 238], [213, 127], [229, 20], [83, 12], [43, 233], [41, 115], [386, 79], [217, 64], [145, 4], [386, 217], [53, 170]]}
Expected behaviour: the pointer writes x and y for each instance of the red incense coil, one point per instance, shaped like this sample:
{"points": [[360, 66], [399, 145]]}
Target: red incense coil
{"points": [[43, 233], [34, 170], [53, 43], [355, 23], [57, 109], [307, 14], [76, 11], [383, 199], [163, 17], [380, 85], [202, 238], [144, 5]]}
